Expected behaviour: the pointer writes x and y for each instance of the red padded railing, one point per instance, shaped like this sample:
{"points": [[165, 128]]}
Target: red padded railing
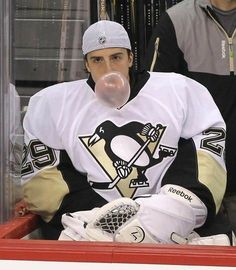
{"points": [[12, 248], [19, 227], [62, 251]]}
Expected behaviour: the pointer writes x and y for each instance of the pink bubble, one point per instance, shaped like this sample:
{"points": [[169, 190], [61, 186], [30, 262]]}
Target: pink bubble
{"points": [[113, 89]]}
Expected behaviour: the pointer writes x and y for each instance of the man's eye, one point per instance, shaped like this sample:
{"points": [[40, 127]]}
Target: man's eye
{"points": [[117, 57], [97, 60]]}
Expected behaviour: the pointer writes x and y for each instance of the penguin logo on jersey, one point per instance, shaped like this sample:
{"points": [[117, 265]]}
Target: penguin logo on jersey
{"points": [[125, 153]]}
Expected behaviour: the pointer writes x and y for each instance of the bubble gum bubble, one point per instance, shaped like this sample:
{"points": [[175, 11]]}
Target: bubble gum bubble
{"points": [[113, 89]]}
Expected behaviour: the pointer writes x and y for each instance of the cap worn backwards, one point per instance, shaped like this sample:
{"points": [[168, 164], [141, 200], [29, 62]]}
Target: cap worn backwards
{"points": [[105, 34]]}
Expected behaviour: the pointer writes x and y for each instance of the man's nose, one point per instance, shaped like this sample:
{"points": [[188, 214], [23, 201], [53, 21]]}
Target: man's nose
{"points": [[108, 66]]}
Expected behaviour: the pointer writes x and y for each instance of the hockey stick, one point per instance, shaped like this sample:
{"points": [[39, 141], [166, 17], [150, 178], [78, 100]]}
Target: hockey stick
{"points": [[110, 185]]}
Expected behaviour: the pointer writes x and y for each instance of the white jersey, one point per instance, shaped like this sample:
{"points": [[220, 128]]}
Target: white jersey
{"points": [[169, 132]]}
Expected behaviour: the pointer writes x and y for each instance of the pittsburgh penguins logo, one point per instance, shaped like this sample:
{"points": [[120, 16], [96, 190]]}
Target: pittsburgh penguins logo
{"points": [[125, 153]]}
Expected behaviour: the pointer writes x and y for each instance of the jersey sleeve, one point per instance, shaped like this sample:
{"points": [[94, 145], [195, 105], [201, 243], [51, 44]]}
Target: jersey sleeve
{"points": [[163, 53], [43, 115], [51, 184], [43, 185], [200, 163]]}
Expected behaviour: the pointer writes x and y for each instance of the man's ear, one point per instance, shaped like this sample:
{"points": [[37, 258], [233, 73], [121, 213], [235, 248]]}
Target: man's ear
{"points": [[87, 66], [131, 59]]}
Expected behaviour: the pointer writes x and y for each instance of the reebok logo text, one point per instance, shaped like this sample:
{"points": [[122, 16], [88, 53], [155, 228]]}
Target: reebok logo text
{"points": [[180, 193]]}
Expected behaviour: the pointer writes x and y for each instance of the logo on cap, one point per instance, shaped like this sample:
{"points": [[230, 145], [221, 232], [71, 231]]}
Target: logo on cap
{"points": [[102, 40]]}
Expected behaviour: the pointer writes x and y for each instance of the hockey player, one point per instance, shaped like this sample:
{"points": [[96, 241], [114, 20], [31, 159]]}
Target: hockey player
{"points": [[150, 171]]}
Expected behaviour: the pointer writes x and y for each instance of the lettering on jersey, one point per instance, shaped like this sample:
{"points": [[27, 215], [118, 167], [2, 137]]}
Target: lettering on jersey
{"points": [[213, 137], [125, 153], [36, 156], [180, 193]]}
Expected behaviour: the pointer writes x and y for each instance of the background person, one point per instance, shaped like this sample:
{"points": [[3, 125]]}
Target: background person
{"points": [[197, 38]]}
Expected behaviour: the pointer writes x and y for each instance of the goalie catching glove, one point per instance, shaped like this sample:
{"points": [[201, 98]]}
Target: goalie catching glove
{"points": [[175, 211]]}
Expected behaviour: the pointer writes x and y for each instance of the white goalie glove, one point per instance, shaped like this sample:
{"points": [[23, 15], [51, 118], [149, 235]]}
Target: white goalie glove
{"points": [[167, 217]]}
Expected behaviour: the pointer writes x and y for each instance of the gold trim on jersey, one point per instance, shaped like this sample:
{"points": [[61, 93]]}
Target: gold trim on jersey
{"points": [[212, 175], [52, 188]]}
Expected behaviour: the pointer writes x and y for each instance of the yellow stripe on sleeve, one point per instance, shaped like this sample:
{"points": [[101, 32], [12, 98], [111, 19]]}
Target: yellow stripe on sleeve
{"points": [[212, 175], [45, 192]]}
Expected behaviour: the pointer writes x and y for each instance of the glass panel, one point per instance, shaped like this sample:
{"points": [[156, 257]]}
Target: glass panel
{"points": [[47, 37], [10, 122]]}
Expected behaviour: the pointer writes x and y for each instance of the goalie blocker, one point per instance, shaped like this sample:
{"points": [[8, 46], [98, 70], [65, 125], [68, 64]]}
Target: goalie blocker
{"points": [[168, 217]]}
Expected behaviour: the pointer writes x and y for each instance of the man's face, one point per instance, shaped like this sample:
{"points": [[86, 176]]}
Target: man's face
{"points": [[103, 61]]}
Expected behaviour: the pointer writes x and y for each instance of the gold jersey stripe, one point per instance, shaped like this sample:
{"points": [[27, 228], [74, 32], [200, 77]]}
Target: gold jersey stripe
{"points": [[212, 175], [52, 188]]}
